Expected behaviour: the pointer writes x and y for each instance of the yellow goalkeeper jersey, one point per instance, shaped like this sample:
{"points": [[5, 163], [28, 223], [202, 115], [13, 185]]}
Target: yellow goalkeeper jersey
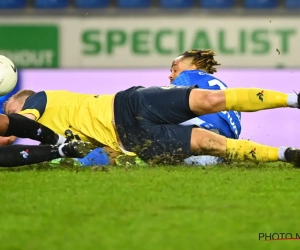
{"points": [[87, 117]]}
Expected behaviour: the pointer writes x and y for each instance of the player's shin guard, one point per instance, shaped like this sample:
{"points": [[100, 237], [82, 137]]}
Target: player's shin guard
{"points": [[253, 99], [19, 155], [21, 126], [247, 150]]}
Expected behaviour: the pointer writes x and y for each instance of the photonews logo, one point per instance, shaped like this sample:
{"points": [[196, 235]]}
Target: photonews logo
{"points": [[30, 46], [278, 236]]}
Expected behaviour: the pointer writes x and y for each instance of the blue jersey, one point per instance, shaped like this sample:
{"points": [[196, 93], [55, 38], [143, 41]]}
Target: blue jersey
{"points": [[228, 123]]}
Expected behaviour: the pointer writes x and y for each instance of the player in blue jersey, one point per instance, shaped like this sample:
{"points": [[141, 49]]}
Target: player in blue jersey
{"points": [[186, 71]]}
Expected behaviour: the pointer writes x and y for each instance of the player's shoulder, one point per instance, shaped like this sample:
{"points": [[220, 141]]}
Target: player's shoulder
{"points": [[192, 73], [199, 75], [188, 78], [199, 78], [36, 101]]}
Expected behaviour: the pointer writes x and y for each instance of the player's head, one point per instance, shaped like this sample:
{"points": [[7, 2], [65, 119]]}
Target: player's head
{"points": [[194, 59], [16, 102]]}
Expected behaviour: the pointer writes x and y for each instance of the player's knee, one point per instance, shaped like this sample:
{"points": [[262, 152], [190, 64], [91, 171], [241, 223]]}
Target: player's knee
{"points": [[205, 101], [212, 100], [207, 143], [199, 140]]}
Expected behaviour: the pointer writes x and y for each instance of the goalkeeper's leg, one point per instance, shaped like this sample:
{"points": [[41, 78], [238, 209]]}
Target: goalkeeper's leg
{"points": [[239, 99], [19, 155], [20, 126], [204, 142]]}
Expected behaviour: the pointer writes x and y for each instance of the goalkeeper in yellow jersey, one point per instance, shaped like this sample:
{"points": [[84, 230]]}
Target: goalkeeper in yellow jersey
{"points": [[145, 121]]}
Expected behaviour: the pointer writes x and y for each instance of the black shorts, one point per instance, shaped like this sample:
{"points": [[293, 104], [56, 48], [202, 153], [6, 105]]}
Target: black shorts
{"points": [[147, 122]]}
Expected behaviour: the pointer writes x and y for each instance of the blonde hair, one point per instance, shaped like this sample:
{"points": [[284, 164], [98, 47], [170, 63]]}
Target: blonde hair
{"points": [[202, 59], [20, 96]]}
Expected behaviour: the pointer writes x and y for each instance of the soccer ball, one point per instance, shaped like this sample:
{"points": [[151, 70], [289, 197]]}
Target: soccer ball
{"points": [[8, 75]]}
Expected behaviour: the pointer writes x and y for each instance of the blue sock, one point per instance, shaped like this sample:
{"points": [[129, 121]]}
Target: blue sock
{"points": [[96, 157]]}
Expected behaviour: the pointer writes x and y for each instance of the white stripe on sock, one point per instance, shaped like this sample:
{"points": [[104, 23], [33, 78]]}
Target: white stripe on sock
{"points": [[281, 152], [293, 100], [61, 140], [60, 150]]}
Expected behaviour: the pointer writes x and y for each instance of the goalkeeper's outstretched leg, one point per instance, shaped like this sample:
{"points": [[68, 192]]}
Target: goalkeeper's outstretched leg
{"points": [[206, 142], [240, 99]]}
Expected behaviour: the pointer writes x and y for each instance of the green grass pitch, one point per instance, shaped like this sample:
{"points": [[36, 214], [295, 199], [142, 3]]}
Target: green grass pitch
{"points": [[151, 208]]}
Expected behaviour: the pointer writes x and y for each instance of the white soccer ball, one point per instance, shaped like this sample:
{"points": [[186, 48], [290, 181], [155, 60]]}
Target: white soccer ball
{"points": [[8, 75]]}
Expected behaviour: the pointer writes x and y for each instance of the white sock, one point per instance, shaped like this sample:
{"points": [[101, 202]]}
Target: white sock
{"points": [[293, 100], [61, 140], [60, 150], [281, 152]]}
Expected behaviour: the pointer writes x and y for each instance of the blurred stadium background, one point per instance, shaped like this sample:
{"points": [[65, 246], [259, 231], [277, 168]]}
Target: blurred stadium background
{"points": [[102, 46]]}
